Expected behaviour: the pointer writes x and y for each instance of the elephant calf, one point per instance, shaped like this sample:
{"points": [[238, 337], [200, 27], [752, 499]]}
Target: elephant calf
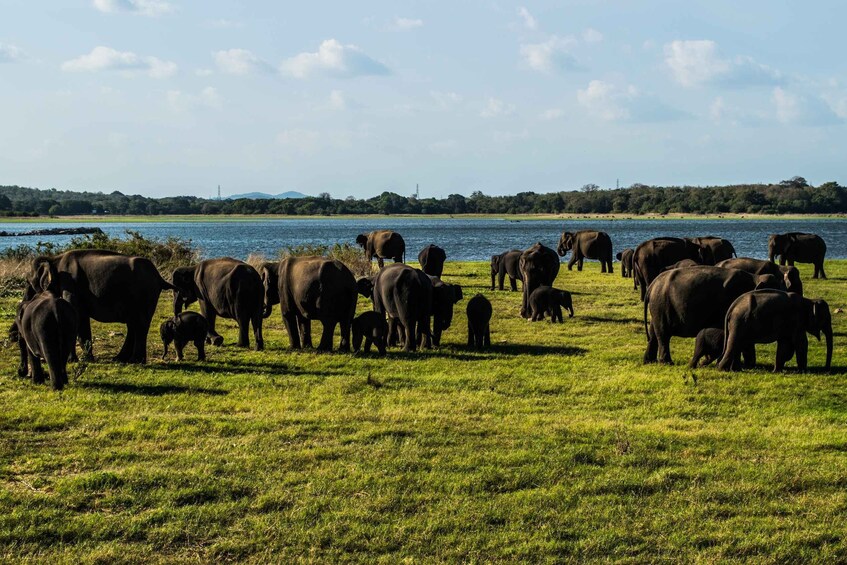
{"points": [[707, 346], [549, 300], [182, 329], [46, 328], [479, 317], [373, 328]]}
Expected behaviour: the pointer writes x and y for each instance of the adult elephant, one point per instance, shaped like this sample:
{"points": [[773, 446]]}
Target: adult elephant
{"points": [[767, 316], [316, 288], [681, 302], [405, 295], [507, 263], [652, 256], [383, 244], [269, 273], [713, 249], [432, 260], [586, 244], [107, 287], [789, 276], [625, 257], [224, 287], [539, 265], [800, 248]]}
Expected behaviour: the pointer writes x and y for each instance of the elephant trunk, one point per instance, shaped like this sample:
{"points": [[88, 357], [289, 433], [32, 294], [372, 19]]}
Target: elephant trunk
{"points": [[178, 303], [771, 253], [267, 309]]}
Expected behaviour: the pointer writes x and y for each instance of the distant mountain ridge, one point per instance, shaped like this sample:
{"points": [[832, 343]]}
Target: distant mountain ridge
{"points": [[266, 196]]}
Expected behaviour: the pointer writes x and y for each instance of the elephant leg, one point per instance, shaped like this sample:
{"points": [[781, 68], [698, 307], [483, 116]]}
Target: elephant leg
{"points": [[243, 330], [380, 262], [84, 338], [125, 354], [344, 343], [513, 284], [211, 316], [179, 345], [664, 352], [698, 354], [783, 354], [471, 335], [800, 347], [572, 261], [603, 266], [256, 320], [201, 349], [305, 326], [367, 346], [579, 264], [392, 332], [139, 339], [610, 264], [290, 321], [23, 367], [326, 336], [749, 354], [410, 341], [486, 337], [556, 315], [501, 276], [36, 368], [652, 347]]}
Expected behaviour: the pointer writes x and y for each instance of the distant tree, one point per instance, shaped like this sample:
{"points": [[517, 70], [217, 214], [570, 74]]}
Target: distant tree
{"points": [[590, 187], [795, 182]]}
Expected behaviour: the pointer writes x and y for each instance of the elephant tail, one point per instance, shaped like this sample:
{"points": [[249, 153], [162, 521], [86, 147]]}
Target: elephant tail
{"points": [[646, 303]]}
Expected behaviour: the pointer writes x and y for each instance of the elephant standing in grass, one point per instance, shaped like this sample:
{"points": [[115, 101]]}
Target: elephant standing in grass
{"points": [[404, 294], [713, 249], [479, 313], [708, 345], [108, 287], [316, 288], [507, 263], [432, 260], [224, 287], [371, 327], [549, 300], [625, 257], [789, 276], [800, 248], [539, 266], [444, 297], [45, 328], [767, 316], [652, 256], [383, 244], [681, 302], [188, 327], [587, 244]]}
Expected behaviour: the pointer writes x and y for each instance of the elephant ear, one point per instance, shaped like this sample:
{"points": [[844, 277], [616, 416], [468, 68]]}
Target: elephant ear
{"points": [[46, 278], [362, 239], [766, 281]]}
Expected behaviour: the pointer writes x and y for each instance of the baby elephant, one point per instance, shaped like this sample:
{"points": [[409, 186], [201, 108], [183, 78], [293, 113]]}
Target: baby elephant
{"points": [[371, 326], [479, 316], [45, 328], [549, 300], [707, 346], [183, 328]]}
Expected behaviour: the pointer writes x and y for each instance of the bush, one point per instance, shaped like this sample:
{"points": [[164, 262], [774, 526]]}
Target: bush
{"points": [[350, 255]]}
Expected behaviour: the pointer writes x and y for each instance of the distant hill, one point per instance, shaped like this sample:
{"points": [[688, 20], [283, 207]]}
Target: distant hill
{"points": [[265, 196]]}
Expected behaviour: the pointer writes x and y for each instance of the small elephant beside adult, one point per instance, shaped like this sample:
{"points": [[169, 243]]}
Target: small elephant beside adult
{"points": [[550, 301], [224, 287], [187, 327], [431, 259], [506, 264], [539, 265], [371, 327], [625, 257], [767, 316], [45, 327], [586, 244], [383, 244], [796, 247]]}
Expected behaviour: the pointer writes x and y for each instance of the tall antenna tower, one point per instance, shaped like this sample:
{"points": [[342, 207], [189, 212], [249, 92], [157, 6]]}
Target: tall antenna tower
{"points": [[219, 192], [417, 191]]}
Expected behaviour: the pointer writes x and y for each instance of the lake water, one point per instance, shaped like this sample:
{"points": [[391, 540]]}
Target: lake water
{"points": [[463, 239]]}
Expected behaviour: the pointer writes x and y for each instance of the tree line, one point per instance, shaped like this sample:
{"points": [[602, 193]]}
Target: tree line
{"points": [[792, 196]]}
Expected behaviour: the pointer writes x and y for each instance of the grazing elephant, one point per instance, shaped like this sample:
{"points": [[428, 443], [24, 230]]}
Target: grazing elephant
{"points": [[587, 244], [652, 256], [383, 244], [432, 260], [316, 288], [185, 328], [365, 286], [713, 249], [479, 322], [767, 316], [507, 263], [45, 328], [549, 300], [789, 276], [539, 266], [405, 295], [108, 287], [800, 248], [625, 257], [372, 327], [681, 302], [224, 287], [269, 273], [682, 264], [708, 345], [444, 297]]}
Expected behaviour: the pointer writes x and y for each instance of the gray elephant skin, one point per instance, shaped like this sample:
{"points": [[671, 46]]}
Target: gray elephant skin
{"points": [[586, 244], [108, 287], [708, 346], [431, 259], [314, 288], [479, 313], [767, 316], [652, 256], [625, 257], [404, 294], [383, 244], [224, 287], [444, 297], [713, 249], [372, 327], [507, 263], [798, 247], [549, 300], [681, 302], [789, 276], [539, 266], [182, 329], [45, 328]]}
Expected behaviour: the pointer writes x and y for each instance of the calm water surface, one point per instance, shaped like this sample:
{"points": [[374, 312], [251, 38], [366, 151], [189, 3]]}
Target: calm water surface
{"points": [[464, 239]]}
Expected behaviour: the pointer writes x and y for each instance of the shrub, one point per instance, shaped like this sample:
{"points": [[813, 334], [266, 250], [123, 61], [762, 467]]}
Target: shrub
{"points": [[350, 255]]}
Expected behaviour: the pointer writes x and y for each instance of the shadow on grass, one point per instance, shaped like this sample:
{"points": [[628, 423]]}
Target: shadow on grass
{"points": [[602, 320], [494, 352], [256, 368], [150, 390]]}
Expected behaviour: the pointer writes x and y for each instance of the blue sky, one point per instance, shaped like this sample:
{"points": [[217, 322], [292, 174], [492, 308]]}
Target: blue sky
{"points": [[166, 97]]}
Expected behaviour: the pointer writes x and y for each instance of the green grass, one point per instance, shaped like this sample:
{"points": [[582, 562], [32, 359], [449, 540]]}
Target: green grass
{"points": [[556, 445]]}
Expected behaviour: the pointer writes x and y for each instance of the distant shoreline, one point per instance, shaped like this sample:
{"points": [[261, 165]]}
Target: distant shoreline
{"points": [[507, 217]]}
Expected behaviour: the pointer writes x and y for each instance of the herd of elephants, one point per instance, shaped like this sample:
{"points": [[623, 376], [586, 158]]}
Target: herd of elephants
{"points": [[690, 287]]}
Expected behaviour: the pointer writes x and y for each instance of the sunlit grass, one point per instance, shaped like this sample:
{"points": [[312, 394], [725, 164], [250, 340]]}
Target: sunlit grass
{"points": [[556, 444]]}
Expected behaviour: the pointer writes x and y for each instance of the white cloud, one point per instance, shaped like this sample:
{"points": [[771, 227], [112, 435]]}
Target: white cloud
{"points": [[239, 62], [223, 23], [337, 101], [203, 72], [509, 136], [611, 103], [529, 22], [591, 35], [405, 24], [552, 55], [552, 114], [207, 98], [494, 107], [333, 59], [108, 59], [802, 110], [11, 53], [151, 8], [697, 62], [445, 100]]}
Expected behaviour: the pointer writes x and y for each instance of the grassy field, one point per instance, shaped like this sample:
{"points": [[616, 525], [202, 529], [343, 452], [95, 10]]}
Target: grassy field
{"points": [[558, 444]]}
